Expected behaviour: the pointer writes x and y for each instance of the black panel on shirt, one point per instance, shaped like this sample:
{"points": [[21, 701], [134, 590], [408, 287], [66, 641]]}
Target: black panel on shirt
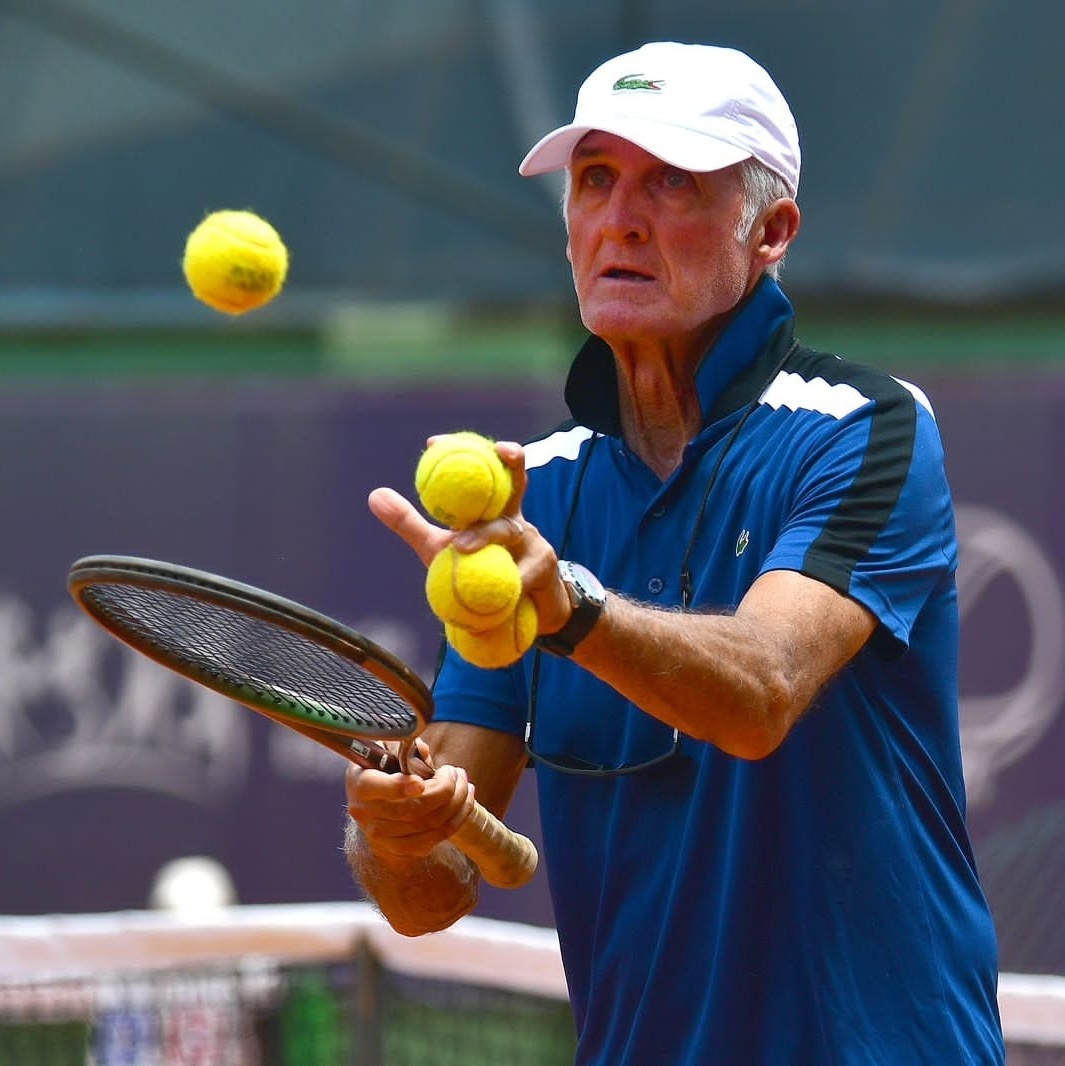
{"points": [[869, 502]]}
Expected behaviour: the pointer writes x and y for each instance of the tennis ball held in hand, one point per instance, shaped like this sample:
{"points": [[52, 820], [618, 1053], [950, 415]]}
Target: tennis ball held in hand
{"points": [[235, 261], [473, 590], [501, 645], [460, 479]]}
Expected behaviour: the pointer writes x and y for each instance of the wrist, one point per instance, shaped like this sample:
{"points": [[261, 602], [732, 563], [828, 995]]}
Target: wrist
{"points": [[372, 867], [587, 598]]}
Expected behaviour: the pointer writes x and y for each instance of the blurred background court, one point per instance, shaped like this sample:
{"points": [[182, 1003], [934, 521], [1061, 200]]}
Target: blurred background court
{"points": [[428, 291]]}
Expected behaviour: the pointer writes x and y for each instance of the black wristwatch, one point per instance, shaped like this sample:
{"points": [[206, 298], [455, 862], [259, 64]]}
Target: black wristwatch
{"points": [[587, 597]]}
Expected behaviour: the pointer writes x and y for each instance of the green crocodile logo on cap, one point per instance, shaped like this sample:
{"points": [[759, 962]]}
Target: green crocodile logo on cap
{"points": [[638, 83]]}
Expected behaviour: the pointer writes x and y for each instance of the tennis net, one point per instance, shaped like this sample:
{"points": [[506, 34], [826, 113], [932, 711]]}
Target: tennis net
{"points": [[324, 985], [313, 985]]}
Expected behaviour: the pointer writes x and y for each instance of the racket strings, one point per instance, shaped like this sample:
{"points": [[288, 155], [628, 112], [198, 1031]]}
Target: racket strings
{"points": [[250, 657]]}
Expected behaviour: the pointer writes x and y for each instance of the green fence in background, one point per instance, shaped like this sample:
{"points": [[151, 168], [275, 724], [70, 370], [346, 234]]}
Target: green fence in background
{"points": [[438, 344]]}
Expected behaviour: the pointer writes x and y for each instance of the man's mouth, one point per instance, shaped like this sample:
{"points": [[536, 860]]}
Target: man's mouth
{"points": [[624, 274]]}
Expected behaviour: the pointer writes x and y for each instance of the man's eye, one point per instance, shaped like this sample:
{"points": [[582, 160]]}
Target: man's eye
{"points": [[596, 177], [676, 179]]}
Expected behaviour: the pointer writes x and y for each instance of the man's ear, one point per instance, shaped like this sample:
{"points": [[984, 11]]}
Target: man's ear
{"points": [[777, 229]]}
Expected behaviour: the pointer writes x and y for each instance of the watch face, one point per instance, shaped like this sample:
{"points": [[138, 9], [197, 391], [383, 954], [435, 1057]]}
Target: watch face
{"points": [[587, 584], [587, 597]]}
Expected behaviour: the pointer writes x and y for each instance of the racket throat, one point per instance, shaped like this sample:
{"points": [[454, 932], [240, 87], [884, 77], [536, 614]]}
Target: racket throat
{"points": [[403, 757]]}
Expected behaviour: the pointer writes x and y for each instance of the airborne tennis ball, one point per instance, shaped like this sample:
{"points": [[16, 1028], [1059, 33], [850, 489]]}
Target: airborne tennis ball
{"points": [[474, 590], [500, 646], [460, 479], [235, 261]]}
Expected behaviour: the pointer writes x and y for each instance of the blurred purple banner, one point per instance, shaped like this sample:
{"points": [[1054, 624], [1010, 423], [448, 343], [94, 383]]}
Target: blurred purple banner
{"points": [[111, 766]]}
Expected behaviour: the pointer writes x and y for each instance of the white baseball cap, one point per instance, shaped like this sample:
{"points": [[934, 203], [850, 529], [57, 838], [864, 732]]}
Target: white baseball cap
{"points": [[698, 107]]}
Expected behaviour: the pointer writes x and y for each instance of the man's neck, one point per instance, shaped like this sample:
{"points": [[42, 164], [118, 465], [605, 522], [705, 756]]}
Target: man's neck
{"points": [[659, 408]]}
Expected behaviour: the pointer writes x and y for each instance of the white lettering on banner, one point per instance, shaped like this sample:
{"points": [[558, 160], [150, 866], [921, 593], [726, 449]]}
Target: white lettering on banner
{"points": [[80, 711], [997, 730]]}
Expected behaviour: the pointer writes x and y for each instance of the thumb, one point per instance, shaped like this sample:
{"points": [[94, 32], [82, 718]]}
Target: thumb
{"points": [[399, 515]]}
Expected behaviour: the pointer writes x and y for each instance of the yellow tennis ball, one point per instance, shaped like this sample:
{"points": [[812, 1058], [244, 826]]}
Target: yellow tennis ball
{"points": [[503, 644], [235, 261], [460, 480], [475, 590]]}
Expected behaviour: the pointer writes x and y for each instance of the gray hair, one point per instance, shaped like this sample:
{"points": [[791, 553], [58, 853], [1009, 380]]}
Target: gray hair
{"points": [[761, 187]]}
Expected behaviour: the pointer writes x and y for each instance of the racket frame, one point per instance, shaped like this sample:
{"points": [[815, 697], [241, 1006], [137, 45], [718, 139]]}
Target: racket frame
{"points": [[506, 859], [276, 610]]}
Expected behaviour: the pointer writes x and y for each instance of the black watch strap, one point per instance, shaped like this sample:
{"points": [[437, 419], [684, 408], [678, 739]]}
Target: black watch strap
{"points": [[587, 597]]}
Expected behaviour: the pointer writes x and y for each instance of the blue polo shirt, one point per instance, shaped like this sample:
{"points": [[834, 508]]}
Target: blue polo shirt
{"points": [[820, 906]]}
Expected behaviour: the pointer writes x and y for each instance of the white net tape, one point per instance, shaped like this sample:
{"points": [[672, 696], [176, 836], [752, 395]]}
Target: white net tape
{"points": [[476, 951], [508, 955], [1033, 1009]]}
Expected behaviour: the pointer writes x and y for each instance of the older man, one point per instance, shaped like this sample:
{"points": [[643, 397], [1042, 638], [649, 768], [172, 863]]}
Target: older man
{"points": [[742, 704]]}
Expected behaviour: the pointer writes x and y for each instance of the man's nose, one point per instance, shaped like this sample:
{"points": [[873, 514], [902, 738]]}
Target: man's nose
{"points": [[625, 217]]}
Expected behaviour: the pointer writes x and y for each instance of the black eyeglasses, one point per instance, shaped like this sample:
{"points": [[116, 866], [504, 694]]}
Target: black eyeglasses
{"points": [[568, 764]]}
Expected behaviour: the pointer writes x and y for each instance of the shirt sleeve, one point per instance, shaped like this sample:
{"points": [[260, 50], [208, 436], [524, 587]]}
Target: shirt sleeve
{"points": [[494, 699], [872, 515]]}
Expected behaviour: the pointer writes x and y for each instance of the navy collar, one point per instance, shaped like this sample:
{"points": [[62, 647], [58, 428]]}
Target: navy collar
{"points": [[759, 330]]}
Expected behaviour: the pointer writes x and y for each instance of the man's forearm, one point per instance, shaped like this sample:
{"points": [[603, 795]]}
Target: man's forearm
{"points": [[416, 896], [737, 680]]}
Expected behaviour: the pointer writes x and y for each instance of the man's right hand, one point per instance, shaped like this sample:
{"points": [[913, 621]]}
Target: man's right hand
{"points": [[404, 816]]}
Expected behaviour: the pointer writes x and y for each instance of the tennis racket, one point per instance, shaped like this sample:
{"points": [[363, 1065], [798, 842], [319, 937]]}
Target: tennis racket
{"points": [[293, 665]]}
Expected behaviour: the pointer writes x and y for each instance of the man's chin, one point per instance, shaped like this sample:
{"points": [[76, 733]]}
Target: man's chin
{"points": [[624, 318]]}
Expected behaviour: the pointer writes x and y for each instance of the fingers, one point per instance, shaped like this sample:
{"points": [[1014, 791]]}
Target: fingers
{"points": [[516, 526], [422, 752], [426, 540], [513, 456], [510, 528], [534, 555], [399, 515], [405, 816]]}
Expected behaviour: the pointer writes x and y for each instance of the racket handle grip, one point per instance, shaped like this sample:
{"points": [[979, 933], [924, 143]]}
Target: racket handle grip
{"points": [[506, 859]]}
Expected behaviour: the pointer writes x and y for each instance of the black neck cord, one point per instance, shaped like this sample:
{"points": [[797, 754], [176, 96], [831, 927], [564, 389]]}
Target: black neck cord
{"points": [[685, 568]]}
